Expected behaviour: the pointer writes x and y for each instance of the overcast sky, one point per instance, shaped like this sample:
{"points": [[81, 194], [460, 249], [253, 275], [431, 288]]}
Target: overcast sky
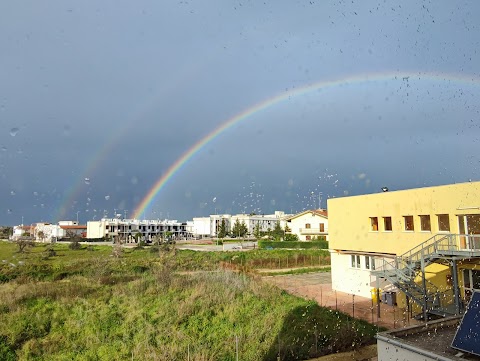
{"points": [[99, 98]]}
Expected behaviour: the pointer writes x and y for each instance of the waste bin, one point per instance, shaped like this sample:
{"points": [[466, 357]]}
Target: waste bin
{"points": [[390, 298], [373, 293]]}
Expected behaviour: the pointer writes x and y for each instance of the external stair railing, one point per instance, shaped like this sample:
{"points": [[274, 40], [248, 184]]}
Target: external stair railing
{"points": [[403, 270]]}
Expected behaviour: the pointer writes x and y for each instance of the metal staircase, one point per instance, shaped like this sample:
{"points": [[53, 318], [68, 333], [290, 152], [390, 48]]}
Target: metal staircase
{"points": [[403, 270]]}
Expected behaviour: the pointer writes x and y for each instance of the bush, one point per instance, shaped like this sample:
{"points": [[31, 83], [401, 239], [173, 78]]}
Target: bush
{"points": [[75, 245], [49, 252], [291, 238], [293, 245], [23, 244]]}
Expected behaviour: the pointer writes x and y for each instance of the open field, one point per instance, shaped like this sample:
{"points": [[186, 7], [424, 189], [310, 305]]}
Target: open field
{"points": [[87, 304]]}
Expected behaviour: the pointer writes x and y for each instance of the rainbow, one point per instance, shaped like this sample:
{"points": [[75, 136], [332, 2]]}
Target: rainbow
{"points": [[356, 79], [137, 112]]}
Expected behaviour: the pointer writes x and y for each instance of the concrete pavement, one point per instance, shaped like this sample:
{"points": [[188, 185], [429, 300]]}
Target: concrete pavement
{"points": [[318, 287]]}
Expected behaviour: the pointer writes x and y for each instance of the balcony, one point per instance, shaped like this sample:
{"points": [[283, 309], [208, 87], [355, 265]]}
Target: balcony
{"points": [[312, 231]]}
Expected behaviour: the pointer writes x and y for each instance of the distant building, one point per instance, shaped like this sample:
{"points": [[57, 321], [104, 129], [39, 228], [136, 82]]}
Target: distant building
{"points": [[22, 231], [309, 224], [209, 226], [127, 230]]}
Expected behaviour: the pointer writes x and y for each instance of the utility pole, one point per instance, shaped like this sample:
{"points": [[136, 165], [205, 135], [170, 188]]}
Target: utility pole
{"points": [[125, 226], [77, 216]]}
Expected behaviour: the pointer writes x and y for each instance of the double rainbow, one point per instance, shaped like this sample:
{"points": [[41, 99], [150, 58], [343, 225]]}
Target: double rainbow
{"points": [[322, 85]]}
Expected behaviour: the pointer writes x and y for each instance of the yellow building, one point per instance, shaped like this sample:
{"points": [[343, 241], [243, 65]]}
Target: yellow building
{"points": [[422, 243]]}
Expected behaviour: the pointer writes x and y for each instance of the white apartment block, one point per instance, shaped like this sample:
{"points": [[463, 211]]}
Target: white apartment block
{"points": [[209, 226], [126, 230]]}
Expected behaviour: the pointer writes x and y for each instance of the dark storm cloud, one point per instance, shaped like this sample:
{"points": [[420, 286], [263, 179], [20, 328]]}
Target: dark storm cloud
{"points": [[117, 91]]}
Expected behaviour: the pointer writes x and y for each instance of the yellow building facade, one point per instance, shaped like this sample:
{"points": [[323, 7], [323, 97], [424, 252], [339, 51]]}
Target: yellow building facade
{"points": [[432, 227]]}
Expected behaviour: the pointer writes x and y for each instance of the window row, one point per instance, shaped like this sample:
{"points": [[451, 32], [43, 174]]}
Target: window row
{"points": [[321, 226], [443, 222], [368, 262]]}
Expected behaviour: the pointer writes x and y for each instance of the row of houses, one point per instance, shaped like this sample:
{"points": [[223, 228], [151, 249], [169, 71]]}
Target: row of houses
{"points": [[305, 225], [48, 232]]}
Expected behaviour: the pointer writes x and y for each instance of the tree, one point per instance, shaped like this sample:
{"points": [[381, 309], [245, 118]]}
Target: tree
{"points": [[23, 244], [70, 234], [257, 233], [291, 237], [222, 230], [239, 229], [138, 239], [41, 235], [278, 233], [287, 229]]}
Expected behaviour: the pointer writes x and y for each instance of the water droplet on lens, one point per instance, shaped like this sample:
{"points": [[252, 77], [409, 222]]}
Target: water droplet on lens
{"points": [[107, 198], [14, 131], [12, 193], [87, 180]]}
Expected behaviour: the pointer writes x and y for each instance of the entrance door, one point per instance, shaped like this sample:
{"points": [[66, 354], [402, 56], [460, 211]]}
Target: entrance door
{"points": [[471, 282], [469, 224]]}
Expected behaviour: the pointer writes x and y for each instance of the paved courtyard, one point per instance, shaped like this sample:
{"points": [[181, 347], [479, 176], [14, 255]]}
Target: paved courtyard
{"points": [[318, 287]]}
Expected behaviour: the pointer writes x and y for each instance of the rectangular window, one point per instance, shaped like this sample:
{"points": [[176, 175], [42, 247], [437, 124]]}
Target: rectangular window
{"points": [[322, 227], [443, 223], [387, 223], [374, 224], [355, 261], [425, 223], [307, 225], [370, 263], [408, 220]]}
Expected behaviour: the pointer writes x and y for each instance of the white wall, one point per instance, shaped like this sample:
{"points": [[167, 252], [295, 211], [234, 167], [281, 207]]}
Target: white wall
{"points": [[357, 281], [297, 226], [96, 229], [201, 226]]}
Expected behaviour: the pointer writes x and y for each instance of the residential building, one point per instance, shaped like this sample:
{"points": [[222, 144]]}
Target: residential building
{"points": [[308, 225], [423, 244], [264, 222], [201, 227], [22, 231], [128, 230], [209, 226]]}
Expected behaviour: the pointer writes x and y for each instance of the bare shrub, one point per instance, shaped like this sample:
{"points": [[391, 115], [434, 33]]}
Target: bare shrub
{"points": [[24, 244]]}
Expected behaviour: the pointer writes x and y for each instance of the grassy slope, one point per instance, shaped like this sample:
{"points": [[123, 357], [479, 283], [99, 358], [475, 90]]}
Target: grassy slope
{"points": [[88, 305]]}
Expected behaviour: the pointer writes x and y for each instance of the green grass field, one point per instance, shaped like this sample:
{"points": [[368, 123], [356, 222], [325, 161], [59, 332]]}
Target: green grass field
{"points": [[88, 305]]}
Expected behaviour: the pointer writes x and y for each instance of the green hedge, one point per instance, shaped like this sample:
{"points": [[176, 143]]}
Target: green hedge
{"points": [[293, 245]]}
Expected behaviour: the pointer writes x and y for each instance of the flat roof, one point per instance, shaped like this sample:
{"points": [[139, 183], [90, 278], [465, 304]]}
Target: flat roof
{"points": [[433, 338]]}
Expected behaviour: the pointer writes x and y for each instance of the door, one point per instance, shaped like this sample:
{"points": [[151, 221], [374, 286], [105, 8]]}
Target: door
{"points": [[469, 226], [471, 282]]}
